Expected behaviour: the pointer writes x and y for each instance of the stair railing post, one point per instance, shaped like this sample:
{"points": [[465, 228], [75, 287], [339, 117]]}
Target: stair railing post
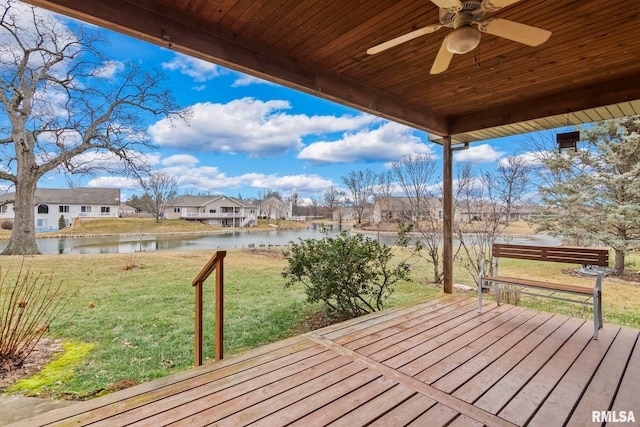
{"points": [[219, 347], [215, 263], [198, 335]]}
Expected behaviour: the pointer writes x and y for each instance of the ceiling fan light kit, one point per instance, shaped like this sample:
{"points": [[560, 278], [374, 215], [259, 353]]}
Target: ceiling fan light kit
{"points": [[465, 17], [463, 40]]}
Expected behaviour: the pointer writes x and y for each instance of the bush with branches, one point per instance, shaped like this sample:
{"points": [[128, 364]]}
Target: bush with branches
{"points": [[351, 274], [28, 306]]}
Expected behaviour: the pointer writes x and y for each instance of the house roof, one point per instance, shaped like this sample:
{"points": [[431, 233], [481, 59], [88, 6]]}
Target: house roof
{"points": [[586, 71], [404, 203], [74, 196], [199, 201]]}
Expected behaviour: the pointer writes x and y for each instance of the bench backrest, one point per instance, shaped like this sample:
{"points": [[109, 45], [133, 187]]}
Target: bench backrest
{"points": [[566, 254]]}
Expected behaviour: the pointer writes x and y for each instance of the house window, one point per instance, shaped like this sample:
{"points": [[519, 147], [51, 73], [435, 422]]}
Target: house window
{"points": [[63, 208], [42, 223], [176, 210], [43, 209], [85, 209], [212, 211], [3, 209], [105, 209]]}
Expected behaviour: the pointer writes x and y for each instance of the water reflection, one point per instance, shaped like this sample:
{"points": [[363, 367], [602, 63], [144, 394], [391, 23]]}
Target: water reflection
{"points": [[231, 240]]}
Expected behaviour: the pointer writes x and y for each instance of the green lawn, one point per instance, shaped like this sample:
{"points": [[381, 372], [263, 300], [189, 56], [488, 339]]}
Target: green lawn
{"points": [[140, 321]]}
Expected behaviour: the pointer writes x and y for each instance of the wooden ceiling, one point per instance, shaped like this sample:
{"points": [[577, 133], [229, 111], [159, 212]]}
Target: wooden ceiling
{"points": [[588, 70]]}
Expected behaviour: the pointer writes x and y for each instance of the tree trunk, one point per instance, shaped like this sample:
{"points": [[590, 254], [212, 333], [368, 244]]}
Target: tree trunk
{"points": [[618, 263], [23, 239]]}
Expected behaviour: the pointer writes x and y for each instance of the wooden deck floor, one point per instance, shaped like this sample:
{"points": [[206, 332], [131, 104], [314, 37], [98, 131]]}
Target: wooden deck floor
{"points": [[435, 363]]}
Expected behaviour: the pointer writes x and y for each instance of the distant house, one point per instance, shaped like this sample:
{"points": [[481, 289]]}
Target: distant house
{"points": [[391, 209], [215, 210], [52, 204], [126, 210], [395, 209], [275, 208]]}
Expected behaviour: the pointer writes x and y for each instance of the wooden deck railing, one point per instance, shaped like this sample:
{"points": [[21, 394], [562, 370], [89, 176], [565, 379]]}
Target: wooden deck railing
{"points": [[215, 263]]}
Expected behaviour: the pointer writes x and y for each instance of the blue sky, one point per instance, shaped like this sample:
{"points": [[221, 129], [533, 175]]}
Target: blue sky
{"points": [[247, 136]]}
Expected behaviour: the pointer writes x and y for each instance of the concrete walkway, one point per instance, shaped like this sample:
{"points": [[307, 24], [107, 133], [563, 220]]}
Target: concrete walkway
{"points": [[15, 408]]}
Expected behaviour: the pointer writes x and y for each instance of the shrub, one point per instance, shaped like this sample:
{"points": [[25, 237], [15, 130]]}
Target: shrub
{"points": [[6, 224], [62, 223], [351, 274], [27, 308]]}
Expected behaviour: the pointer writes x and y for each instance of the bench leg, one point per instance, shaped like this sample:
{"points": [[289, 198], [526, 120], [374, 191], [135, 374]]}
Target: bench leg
{"points": [[479, 296], [597, 313], [597, 307], [496, 291]]}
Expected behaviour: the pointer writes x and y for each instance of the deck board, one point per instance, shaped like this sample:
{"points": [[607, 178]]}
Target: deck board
{"points": [[525, 403], [438, 362], [601, 391], [627, 396]]}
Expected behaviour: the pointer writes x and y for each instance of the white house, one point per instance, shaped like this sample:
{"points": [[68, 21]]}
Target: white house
{"points": [[126, 210], [52, 204], [275, 208], [216, 210]]}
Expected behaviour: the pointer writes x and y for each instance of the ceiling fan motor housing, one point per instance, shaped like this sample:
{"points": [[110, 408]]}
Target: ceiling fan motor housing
{"points": [[472, 8]]}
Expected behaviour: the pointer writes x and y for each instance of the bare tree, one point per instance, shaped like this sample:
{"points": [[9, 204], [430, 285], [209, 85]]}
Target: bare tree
{"points": [[64, 111], [331, 199], [162, 189], [384, 194], [414, 174], [361, 186], [478, 218], [314, 205], [512, 180]]}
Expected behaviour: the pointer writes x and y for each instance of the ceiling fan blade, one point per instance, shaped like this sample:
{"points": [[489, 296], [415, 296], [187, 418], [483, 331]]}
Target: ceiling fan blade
{"points": [[402, 39], [511, 30], [448, 4], [443, 59], [493, 5]]}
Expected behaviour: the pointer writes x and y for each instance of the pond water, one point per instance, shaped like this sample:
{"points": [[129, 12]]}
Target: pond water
{"points": [[230, 240]]}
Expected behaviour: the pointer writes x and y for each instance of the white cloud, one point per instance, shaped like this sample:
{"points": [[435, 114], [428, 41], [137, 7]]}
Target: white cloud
{"points": [[23, 16], [258, 128], [197, 69], [483, 153], [185, 160], [192, 177], [246, 80], [109, 70], [529, 158], [107, 161], [113, 182], [389, 142]]}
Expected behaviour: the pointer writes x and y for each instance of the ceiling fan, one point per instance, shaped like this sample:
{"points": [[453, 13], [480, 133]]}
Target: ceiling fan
{"points": [[462, 15]]}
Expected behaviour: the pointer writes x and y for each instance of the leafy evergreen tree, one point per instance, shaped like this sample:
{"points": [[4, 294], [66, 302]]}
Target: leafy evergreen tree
{"points": [[593, 192]]}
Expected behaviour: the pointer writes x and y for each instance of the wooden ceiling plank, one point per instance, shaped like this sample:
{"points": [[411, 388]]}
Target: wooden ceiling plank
{"points": [[623, 89], [125, 17], [627, 109], [319, 48]]}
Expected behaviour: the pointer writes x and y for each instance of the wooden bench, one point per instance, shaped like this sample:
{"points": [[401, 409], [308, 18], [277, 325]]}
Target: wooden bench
{"points": [[564, 254]]}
